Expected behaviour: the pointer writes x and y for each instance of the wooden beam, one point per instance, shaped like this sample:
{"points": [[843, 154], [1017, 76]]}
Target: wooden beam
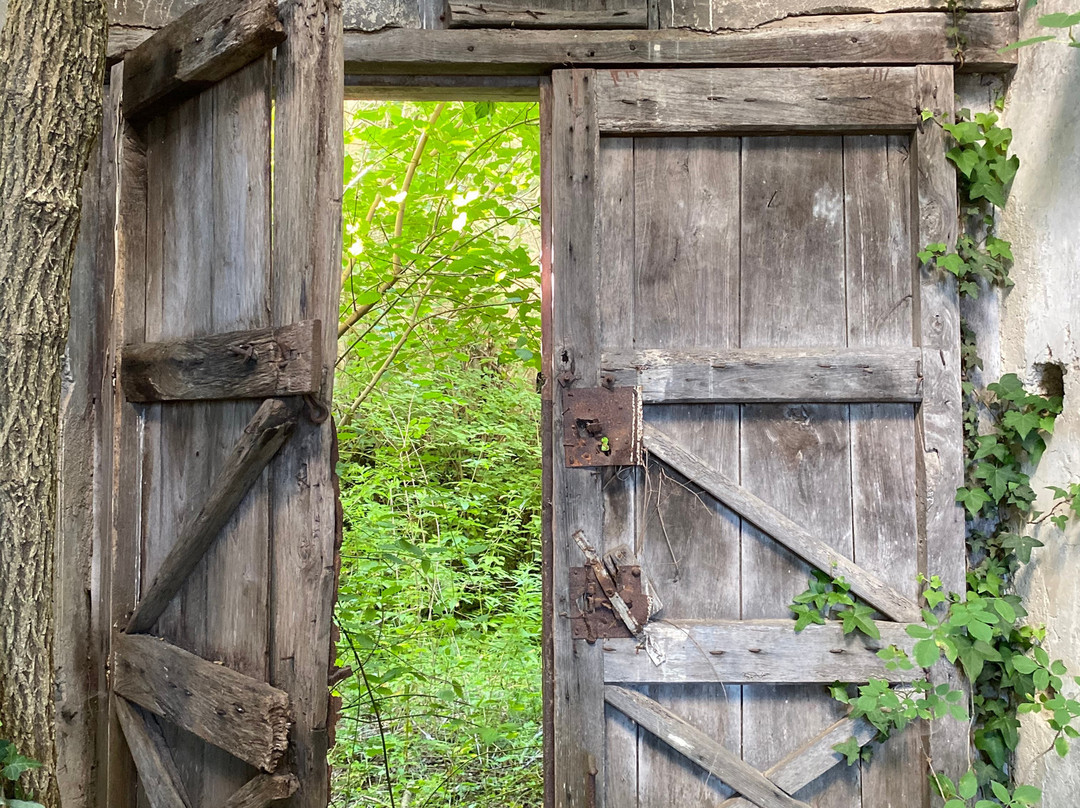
{"points": [[259, 363], [482, 13], [813, 758], [204, 45], [787, 100], [162, 784], [768, 376], [791, 535], [689, 741], [442, 88], [262, 790], [264, 435], [247, 718], [755, 651], [855, 39]]}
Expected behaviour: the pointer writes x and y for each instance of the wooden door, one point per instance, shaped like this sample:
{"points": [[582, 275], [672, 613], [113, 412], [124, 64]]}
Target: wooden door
{"points": [[734, 251], [218, 589]]}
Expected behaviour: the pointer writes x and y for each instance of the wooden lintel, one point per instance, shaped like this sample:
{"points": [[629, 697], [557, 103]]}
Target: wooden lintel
{"points": [[853, 39], [791, 535], [162, 784], [247, 718], [259, 363], [268, 429], [755, 651], [769, 376], [262, 790], [204, 45], [689, 741], [813, 758], [483, 13]]}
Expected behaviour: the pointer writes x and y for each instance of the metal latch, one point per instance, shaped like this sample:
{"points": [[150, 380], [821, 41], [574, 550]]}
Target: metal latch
{"points": [[602, 426], [610, 598]]}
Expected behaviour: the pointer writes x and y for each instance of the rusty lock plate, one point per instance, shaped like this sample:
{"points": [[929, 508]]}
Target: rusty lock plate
{"points": [[602, 426], [594, 617]]}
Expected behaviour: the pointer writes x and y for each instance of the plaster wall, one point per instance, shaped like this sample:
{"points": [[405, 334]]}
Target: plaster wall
{"points": [[1038, 322]]}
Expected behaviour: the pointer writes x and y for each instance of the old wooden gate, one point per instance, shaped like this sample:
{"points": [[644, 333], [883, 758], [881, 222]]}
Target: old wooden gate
{"points": [[219, 585], [734, 251]]}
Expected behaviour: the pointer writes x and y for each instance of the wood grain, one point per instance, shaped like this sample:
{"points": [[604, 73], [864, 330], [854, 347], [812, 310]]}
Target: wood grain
{"points": [[691, 742], [157, 772], [262, 790], [210, 41], [754, 651], [245, 717], [260, 441], [487, 14], [768, 375], [860, 39]]}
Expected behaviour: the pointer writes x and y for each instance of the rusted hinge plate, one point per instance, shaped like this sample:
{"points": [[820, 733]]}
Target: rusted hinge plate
{"points": [[594, 617], [602, 426]]}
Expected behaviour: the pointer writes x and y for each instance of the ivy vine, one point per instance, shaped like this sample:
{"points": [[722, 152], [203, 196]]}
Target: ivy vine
{"points": [[983, 630]]}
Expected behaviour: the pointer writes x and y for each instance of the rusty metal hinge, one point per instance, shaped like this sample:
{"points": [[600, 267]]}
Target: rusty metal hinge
{"points": [[612, 598], [602, 426]]}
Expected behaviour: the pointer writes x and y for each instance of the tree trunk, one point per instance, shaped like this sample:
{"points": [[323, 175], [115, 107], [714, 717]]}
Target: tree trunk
{"points": [[51, 73]]}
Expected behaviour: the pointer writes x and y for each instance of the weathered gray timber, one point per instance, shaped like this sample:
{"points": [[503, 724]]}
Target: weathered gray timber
{"points": [[243, 716], [763, 100], [153, 760], [212, 40], [239, 364], [813, 759], [768, 376], [262, 790], [700, 748], [486, 14], [867, 39], [750, 651], [786, 531], [260, 441]]}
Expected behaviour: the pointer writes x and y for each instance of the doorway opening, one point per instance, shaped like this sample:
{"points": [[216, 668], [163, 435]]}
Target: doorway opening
{"points": [[438, 421]]}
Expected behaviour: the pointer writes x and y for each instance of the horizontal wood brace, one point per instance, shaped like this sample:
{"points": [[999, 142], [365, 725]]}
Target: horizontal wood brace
{"points": [[501, 14], [768, 376], [759, 100], [247, 718], [755, 651], [692, 743], [210, 41], [784, 530], [263, 789], [847, 39], [257, 363]]}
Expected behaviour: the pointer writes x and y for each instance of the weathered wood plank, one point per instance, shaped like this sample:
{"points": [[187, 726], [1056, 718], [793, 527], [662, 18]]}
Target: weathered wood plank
{"points": [[757, 100], [258, 363], [262, 790], [207, 43], [485, 14], [441, 88], [891, 39], [939, 419], [808, 547], [688, 740], [768, 376], [813, 759], [263, 436], [160, 779], [754, 651], [245, 717]]}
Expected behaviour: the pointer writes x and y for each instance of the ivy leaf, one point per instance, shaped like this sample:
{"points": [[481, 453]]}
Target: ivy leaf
{"points": [[850, 749], [16, 764], [965, 159], [973, 499], [1022, 422]]}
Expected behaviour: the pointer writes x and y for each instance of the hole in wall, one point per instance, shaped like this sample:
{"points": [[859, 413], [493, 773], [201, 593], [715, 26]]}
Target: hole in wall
{"points": [[1051, 379]]}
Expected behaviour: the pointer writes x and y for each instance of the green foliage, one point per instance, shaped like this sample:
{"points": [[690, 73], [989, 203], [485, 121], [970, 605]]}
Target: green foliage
{"points": [[439, 605], [1058, 20], [12, 767], [828, 597]]}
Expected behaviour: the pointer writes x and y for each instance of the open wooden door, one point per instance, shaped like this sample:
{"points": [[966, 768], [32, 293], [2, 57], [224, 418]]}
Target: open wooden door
{"points": [[219, 584], [734, 253]]}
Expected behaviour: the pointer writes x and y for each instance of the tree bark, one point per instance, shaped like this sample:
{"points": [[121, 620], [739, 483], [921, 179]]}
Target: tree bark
{"points": [[51, 74]]}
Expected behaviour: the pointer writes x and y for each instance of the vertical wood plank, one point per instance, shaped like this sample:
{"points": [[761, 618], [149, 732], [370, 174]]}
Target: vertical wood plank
{"points": [[615, 209], [880, 284], [939, 419], [305, 284], [577, 497], [122, 445], [685, 296], [795, 457]]}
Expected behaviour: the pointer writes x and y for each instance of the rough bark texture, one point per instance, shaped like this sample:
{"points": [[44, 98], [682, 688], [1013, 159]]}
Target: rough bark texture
{"points": [[51, 71]]}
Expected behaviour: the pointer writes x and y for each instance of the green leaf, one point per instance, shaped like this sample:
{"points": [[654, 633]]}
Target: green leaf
{"points": [[850, 749], [1061, 746], [926, 653], [16, 765], [1023, 43], [968, 785], [1059, 20]]}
